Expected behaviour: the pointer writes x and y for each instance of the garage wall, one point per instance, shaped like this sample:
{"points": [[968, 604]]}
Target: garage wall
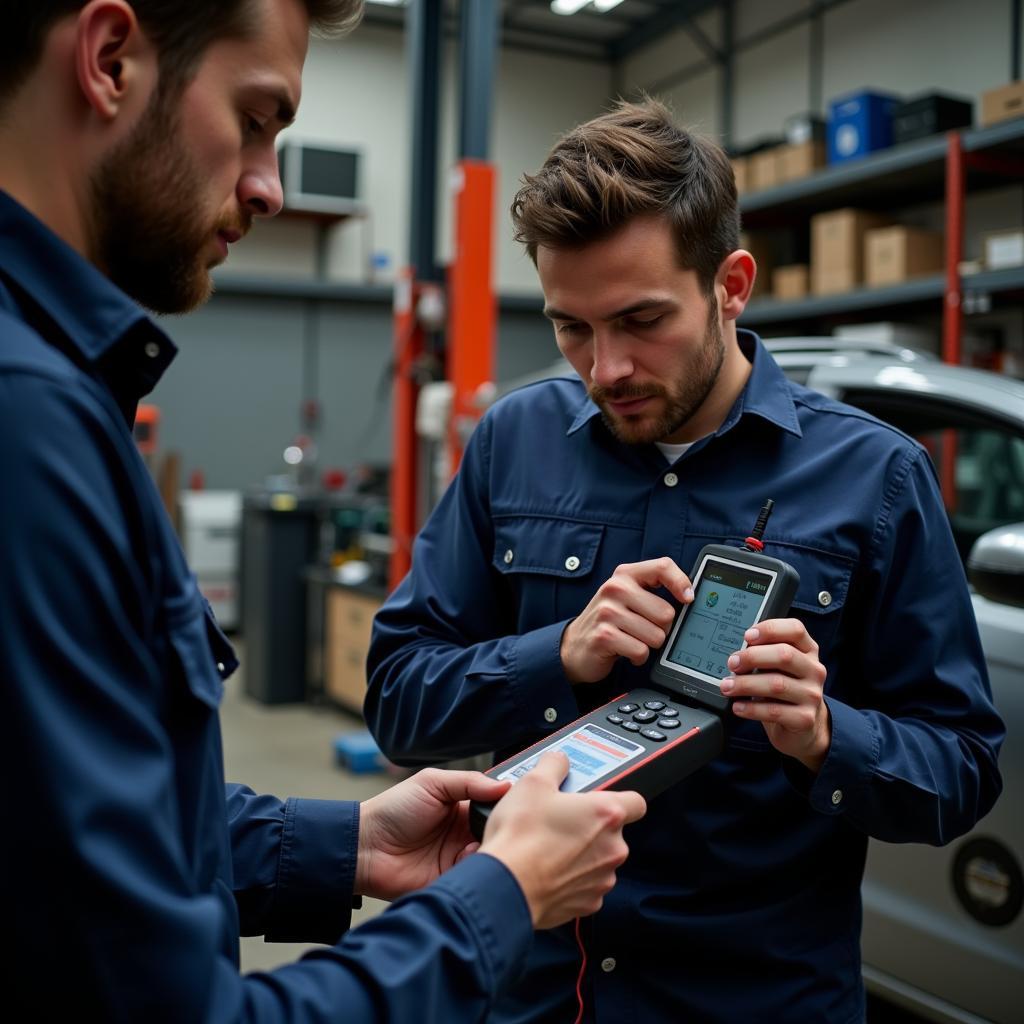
{"points": [[231, 403]]}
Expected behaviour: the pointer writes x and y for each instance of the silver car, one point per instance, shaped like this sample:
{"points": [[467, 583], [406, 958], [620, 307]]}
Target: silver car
{"points": [[943, 929]]}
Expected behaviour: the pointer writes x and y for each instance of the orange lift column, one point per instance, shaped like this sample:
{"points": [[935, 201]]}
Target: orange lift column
{"points": [[472, 317]]}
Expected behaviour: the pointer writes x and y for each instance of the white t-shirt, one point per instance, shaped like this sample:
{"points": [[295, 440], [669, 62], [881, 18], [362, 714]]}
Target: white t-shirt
{"points": [[673, 451]]}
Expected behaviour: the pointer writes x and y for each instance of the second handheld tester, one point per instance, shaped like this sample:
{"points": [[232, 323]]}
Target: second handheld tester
{"points": [[652, 737]]}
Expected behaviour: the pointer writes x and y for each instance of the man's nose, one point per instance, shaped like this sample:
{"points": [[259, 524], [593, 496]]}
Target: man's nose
{"points": [[612, 362], [259, 188]]}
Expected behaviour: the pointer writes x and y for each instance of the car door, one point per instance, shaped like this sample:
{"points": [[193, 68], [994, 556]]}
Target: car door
{"points": [[943, 929]]}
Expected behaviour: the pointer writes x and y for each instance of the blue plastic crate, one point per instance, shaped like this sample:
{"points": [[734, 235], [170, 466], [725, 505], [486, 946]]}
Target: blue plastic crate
{"points": [[858, 124], [359, 753]]}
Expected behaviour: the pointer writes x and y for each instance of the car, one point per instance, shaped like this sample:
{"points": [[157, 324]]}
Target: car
{"points": [[799, 356], [943, 932]]}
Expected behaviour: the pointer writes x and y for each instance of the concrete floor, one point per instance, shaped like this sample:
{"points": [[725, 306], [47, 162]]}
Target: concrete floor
{"points": [[287, 750]]}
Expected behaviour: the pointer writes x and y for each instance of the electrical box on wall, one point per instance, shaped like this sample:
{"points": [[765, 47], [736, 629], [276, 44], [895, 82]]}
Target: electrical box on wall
{"points": [[319, 179]]}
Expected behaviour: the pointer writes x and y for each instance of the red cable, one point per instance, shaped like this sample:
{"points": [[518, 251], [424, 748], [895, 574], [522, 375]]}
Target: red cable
{"points": [[583, 967]]}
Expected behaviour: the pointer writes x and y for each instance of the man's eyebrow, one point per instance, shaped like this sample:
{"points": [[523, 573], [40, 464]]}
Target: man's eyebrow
{"points": [[640, 306], [261, 90]]}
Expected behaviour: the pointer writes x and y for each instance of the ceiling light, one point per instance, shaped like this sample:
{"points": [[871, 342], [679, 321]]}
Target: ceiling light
{"points": [[605, 5]]}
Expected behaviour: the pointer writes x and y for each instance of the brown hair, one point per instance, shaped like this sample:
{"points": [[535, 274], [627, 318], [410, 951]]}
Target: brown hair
{"points": [[181, 30], [630, 162]]}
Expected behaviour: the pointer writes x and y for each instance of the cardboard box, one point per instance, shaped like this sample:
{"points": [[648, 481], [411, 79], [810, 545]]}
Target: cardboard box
{"points": [[1004, 248], [799, 160], [739, 170], [763, 169], [898, 253], [837, 249], [1003, 103], [791, 282], [858, 124]]}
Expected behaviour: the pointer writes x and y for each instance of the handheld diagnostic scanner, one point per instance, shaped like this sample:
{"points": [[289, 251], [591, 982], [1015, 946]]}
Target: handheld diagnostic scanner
{"points": [[652, 737]]}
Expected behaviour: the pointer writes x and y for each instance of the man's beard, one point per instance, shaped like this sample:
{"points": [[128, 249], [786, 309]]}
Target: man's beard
{"points": [[682, 401], [149, 231]]}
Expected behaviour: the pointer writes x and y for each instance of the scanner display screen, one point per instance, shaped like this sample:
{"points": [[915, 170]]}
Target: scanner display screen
{"points": [[728, 601], [593, 753]]}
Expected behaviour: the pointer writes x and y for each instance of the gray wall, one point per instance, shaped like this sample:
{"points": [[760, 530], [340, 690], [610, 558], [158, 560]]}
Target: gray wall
{"points": [[231, 402]]}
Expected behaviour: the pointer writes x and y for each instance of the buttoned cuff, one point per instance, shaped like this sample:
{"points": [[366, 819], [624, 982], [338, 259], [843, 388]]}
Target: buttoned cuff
{"points": [[847, 769], [539, 679], [316, 871]]}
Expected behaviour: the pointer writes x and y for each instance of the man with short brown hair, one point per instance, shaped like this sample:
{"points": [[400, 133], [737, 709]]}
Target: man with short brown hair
{"points": [[554, 565]]}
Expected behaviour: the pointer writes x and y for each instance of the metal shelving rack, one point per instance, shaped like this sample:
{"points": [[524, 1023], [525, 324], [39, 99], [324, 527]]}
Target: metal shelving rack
{"points": [[943, 167]]}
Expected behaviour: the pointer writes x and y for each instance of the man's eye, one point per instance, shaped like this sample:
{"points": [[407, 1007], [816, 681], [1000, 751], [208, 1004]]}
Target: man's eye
{"points": [[644, 324], [570, 328], [252, 126]]}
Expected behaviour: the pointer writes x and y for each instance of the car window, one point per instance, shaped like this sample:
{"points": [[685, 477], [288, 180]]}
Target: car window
{"points": [[979, 459]]}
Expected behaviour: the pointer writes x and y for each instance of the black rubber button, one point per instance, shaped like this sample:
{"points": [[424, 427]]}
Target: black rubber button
{"points": [[652, 734], [654, 705], [668, 723], [631, 726], [628, 709], [670, 713], [616, 719], [645, 716]]}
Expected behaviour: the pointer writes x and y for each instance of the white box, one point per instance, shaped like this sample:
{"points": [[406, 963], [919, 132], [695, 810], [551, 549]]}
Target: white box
{"points": [[1004, 249], [211, 524]]}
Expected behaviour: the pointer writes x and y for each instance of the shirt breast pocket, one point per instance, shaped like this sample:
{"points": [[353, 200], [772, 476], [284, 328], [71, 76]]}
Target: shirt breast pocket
{"points": [[192, 657], [819, 603], [822, 594], [549, 564]]}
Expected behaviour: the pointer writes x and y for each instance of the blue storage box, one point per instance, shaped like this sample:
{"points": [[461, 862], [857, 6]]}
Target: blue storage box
{"points": [[858, 124], [359, 753]]}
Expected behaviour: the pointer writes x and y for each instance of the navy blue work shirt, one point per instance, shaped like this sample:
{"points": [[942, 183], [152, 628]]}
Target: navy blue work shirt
{"points": [[740, 900], [131, 869]]}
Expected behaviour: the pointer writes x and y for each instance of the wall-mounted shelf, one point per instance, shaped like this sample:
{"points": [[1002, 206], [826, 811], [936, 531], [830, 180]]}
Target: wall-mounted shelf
{"points": [[909, 295], [947, 166]]}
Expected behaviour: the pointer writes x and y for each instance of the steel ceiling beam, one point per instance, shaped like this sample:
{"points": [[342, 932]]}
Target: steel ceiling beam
{"points": [[670, 17]]}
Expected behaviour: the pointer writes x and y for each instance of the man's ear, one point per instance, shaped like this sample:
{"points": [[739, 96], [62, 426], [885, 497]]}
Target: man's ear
{"points": [[113, 58], [734, 282]]}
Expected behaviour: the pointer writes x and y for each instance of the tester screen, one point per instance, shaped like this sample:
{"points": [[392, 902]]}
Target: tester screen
{"points": [[727, 602], [593, 753]]}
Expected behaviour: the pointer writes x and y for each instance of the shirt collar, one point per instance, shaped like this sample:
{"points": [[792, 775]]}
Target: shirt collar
{"points": [[766, 393], [92, 313]]}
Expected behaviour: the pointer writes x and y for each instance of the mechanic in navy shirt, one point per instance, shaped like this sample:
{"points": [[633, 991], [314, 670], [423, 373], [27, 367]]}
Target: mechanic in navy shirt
{"points": [[136, 143], [552, 567]]}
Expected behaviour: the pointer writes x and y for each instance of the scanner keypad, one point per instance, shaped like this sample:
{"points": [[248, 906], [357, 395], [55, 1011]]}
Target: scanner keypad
{"points": [[652, 720]]}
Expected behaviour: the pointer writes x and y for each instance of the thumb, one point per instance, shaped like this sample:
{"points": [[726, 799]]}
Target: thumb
{"points": [[633, 804], [552, 768]]}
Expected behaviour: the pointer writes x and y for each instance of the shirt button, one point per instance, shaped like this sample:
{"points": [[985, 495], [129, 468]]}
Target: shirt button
{"points": [[220, 666], [572, 563], [152, 349], [550, 714], [837, 797], [508, 557], [671, 479], [608, 964], [824, 599]]}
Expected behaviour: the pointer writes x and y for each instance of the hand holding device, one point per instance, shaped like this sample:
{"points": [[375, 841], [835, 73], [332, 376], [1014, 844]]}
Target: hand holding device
{"points": [[780, 670], [651, 738], [563, 848], [417, 829], [624, 619]]}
